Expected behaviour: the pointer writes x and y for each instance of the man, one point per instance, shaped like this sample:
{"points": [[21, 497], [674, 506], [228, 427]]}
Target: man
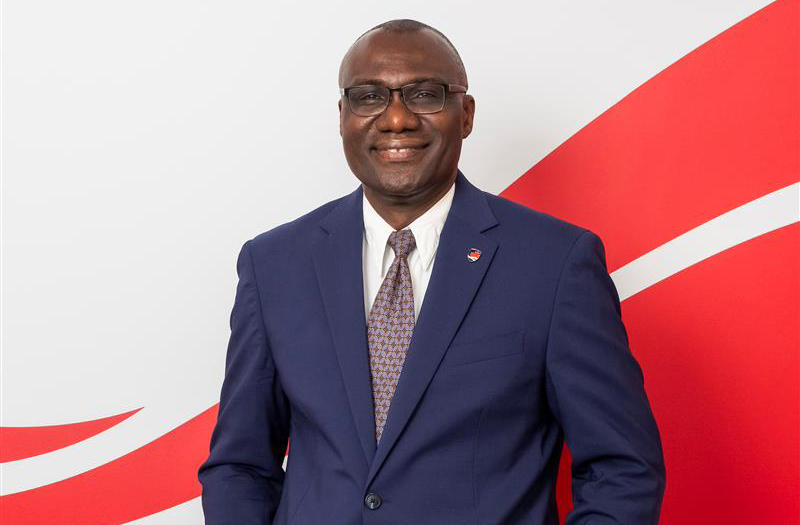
{"points": [[451, 410]]}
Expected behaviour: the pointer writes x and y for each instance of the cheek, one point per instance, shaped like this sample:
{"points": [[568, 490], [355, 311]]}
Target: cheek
{"points": [[447, 127], [448, 139], [354, 137], [352, 124]]}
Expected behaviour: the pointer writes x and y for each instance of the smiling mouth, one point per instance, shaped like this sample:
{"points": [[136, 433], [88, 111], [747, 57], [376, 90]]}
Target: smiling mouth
{"points": [[398, 154]]}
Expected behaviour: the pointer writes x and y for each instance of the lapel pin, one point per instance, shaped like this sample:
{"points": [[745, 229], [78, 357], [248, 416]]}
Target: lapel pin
{"points": [[473, 254]]}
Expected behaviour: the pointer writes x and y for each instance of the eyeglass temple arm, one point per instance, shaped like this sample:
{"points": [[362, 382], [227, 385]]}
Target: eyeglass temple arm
{"points": [[455, 88]]}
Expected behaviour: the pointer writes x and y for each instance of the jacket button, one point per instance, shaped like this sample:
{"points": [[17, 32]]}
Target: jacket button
{"points": [[372, 500]]}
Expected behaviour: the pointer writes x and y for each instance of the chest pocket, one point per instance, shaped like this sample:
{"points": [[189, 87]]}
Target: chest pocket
{"points": [[484, 348]]}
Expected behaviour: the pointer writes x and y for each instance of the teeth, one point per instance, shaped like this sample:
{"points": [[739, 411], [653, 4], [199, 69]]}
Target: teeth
{"points": [[398, 153]]}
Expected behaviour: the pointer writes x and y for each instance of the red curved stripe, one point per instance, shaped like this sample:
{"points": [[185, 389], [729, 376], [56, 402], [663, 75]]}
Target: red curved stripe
{"points": [[720, 367], [25, 442], [157, 476], [714, 130], [721, 370], [152, 478]]}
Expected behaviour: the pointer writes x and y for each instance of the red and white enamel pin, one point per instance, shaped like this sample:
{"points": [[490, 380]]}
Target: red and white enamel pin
{"points": [[473, 254]]}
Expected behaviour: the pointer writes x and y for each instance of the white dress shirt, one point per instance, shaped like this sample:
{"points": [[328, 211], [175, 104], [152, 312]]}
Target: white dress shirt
{"points": [[377, 255]]}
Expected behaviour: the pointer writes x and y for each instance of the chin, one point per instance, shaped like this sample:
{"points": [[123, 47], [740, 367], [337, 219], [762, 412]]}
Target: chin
{"points": [[398, 182]]}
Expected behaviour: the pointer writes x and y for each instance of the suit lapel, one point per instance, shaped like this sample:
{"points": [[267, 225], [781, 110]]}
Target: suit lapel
{"points": [[452, 286], [338, 263]]}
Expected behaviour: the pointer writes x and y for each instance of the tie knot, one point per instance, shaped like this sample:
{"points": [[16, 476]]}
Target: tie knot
{"points": [[402, 242]]}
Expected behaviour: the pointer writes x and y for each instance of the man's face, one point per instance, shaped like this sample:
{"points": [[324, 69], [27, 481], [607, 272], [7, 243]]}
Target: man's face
{"points": [[431, 143]]}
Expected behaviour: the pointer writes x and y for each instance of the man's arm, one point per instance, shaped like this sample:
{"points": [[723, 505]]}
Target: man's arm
{"points": [[596, 391], [243, 475]]}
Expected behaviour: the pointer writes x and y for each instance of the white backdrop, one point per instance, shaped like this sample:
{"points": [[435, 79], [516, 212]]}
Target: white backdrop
{"points": [[144, 142]]}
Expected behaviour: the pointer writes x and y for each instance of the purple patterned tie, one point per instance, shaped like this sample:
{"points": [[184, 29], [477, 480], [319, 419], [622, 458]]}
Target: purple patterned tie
{"points": [[390, 325]]}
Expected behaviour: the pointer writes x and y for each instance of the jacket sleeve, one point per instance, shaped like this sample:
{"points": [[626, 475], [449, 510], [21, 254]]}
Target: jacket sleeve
{"points": [[243, 476], [595, 390]]}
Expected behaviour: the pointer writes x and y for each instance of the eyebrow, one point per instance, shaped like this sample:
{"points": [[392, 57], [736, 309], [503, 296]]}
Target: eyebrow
{"points": [[379, 82]]}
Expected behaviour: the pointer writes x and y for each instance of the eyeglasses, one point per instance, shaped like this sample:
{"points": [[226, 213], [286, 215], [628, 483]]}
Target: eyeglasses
{"points": [[419, 97]]}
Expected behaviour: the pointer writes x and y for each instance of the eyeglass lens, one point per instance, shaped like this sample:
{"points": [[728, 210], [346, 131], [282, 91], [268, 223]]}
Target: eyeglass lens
{"points": [[423, 97]]}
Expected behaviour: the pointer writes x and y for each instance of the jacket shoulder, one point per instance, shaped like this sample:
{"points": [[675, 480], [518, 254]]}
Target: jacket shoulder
{"points": [[522, 219], [296, 235]]}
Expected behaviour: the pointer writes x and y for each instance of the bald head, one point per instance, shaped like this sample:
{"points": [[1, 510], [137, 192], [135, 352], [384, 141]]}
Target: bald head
{"points": [[430, 37]]}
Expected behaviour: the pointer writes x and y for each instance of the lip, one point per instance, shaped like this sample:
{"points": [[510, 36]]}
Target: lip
{"points": [[398, 151]]}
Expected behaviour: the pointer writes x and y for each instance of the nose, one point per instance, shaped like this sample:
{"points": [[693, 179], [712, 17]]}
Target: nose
{"points": [[397, 117]]}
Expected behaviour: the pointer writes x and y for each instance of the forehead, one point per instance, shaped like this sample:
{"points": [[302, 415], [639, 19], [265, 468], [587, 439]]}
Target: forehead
{"points": [[398, 58]]}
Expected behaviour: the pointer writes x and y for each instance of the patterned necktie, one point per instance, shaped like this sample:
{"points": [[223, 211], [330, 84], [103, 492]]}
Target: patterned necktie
{"points": [[390, 325]]}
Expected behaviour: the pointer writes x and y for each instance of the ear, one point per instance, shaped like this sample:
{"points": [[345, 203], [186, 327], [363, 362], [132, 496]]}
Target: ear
{"points": [[340, 117], [468, 108]]}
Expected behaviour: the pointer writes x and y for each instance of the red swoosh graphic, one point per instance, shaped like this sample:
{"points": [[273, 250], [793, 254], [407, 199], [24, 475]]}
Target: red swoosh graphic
{"points": [[721, 371], [25, 442], [152, 478], [713, 131], [157, 476]]}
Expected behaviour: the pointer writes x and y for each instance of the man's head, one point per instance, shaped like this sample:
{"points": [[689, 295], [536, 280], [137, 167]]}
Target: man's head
{"points": [[400, 154]]}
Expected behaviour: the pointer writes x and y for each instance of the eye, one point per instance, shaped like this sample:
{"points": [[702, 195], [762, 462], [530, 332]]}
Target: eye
{"points": [[424, 94], [367, 96]]}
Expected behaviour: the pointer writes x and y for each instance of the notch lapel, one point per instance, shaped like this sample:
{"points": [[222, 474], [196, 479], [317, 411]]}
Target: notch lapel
{"points": [[452, 286], [338, 264]]}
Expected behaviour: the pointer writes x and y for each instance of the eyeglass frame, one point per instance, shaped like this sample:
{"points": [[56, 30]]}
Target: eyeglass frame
{"points": [[448, 88]]}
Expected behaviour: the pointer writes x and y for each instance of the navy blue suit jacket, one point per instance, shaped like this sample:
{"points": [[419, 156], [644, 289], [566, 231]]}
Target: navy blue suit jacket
{"points": [[511, 354]]}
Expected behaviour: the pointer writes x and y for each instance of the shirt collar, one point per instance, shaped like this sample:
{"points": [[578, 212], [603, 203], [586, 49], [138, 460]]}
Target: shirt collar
{"points": [[426, 229]]}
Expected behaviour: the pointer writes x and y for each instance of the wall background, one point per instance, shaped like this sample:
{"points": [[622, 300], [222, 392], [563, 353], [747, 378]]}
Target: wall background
{"points": [[143, 142]]}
